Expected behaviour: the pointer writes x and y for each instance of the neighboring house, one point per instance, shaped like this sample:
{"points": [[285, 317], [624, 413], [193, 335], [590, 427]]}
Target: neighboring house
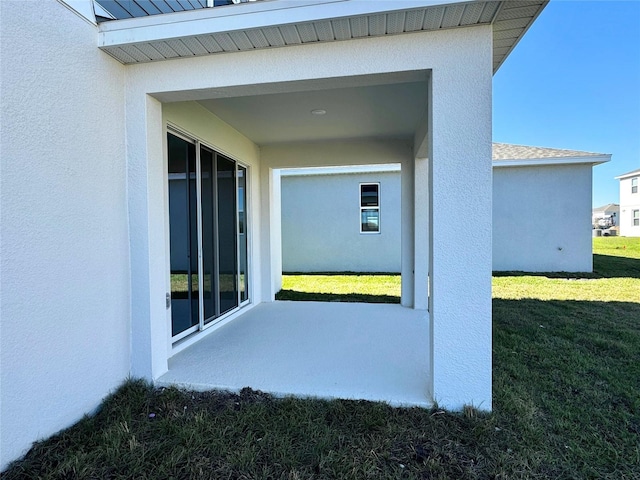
{"points": [[542, 208], [605, 216], [358, 210], [140, 196], [630, 204], [541, 202]]}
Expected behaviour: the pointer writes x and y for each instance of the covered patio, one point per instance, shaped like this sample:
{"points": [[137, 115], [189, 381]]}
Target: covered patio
{"points": [[315, 349], [322, 105]]}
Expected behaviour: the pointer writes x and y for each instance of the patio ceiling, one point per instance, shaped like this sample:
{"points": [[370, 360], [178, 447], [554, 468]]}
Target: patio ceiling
{"points": [[381, 106], [380, 111], [279, 23]]}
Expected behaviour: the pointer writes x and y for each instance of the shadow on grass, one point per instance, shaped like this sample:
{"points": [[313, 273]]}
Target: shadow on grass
{"points": [[297, 296], [604, 266]]}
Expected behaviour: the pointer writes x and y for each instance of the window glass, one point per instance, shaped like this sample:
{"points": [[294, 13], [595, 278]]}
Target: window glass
{"points": [[370, 220], [369, 208], [634, 185], [369, 195], [636, 218]]}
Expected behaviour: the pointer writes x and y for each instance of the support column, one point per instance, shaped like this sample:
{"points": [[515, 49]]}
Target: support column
{"points": [[407, 233], [271, 245], [147, 229], [460, 230], [421, 234]]}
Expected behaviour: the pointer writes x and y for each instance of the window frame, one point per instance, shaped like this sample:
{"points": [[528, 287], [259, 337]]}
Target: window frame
{"points": [[635, 217], [634, 187], [369, 207]]}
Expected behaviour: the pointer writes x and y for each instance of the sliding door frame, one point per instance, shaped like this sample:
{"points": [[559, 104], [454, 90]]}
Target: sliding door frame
{"points": [[199, 143]]}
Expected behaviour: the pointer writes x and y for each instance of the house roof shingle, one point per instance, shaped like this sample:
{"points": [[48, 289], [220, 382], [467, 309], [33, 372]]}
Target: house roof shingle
{"points": [[608, 206], [507, 151]]}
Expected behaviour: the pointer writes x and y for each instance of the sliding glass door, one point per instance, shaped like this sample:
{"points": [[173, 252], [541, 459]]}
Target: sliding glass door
{"points": [[208, 235]]}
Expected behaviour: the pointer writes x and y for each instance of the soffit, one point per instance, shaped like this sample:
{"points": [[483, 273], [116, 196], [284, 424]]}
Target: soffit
{"points": [[279, 23], [370, 111]]}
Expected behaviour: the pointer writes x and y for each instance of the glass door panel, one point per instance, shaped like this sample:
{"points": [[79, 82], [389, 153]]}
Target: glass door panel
{"points": [[209, 237], [182, 235], [227, 237], [242, 234]]}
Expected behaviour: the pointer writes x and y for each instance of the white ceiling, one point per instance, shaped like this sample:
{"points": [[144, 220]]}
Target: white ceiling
{"points": [[367, 111]]}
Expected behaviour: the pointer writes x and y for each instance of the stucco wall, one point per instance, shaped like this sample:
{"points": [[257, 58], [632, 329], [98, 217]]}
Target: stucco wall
{"points": [[65, 256], [542, 218], [628, 203], [321, 224], [458, 62], [553, 213]]}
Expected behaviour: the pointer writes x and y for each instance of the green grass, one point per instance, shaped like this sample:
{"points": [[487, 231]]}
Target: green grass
{"points": [[566, 378], [341, 287]]}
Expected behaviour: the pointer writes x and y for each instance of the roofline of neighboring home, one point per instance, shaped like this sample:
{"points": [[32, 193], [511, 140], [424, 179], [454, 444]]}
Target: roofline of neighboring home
{"points": [[279, 23], [531, 162], [394, 167], [633, 173], [608, 206], [353, 169]]}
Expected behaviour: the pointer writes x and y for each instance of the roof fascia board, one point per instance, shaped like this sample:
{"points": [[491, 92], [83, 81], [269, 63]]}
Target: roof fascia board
{"points": [[245, 17], [301, 172], [592, 160], [635, 173]]}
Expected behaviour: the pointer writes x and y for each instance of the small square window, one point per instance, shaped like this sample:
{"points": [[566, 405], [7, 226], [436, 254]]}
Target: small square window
{"points": [[369, 208], [634, 185]]}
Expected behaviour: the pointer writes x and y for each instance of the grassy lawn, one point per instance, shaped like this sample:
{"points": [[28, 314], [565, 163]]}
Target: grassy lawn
{"points": [[331, 287], [566, 388]]}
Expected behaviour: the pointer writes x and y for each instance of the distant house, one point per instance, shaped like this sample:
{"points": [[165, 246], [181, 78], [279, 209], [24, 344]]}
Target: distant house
{"points": [[630, 204], [541, 222], [605, 216]]}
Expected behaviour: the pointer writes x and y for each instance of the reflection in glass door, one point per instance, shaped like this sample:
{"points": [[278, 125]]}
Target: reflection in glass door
{"points": [[227, 235], [183, 236], [242, 234], [208, 234], [209, 237]]}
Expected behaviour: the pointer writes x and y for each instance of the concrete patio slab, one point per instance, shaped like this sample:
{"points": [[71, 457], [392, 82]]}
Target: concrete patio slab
{"points": [[357, 351]]}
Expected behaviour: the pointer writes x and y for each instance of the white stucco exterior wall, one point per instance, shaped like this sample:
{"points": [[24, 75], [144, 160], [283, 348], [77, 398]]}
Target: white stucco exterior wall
{"points": [[629, 202], [542, 218], [321, 224], [460, 64], [65, 256], [459, 232]]}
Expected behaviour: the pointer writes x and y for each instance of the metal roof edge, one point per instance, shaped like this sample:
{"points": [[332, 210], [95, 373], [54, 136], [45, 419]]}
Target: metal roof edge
{"points": [[245, 16]]}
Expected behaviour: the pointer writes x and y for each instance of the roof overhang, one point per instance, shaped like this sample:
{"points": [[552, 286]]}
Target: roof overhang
{"points": [[279, 23], [634, 173], [535, 162]]}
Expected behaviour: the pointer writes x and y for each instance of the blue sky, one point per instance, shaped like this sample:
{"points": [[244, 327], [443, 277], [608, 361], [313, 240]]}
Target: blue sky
{"points": [[573, 82]]}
